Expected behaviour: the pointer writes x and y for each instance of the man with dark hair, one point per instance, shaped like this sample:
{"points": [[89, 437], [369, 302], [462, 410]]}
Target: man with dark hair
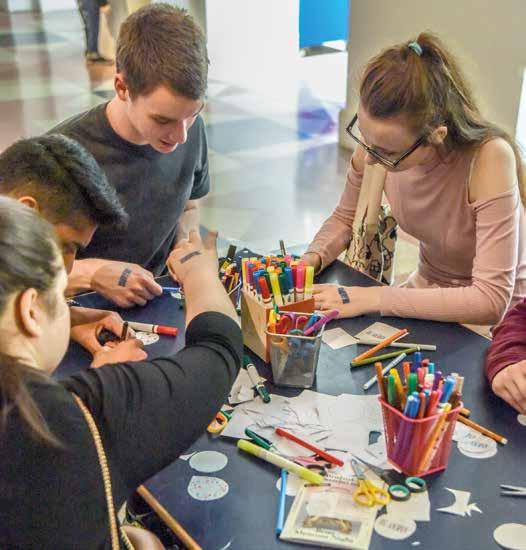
{"points": [[62, 181], [151, 143]]}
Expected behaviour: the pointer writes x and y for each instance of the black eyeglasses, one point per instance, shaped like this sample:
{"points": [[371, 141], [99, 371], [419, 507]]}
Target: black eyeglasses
{"points": [[386, 162]]}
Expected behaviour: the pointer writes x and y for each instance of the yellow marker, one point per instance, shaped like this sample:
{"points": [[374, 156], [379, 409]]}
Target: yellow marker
{"points": [[277, 460], [274, 283], [399, 388], [244, 262], [309, 281]]}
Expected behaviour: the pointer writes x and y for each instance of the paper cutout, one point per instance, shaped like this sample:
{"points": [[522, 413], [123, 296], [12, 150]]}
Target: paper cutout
{"points": [[521, 419], [417, 508], [207, 488], [394, 528], [242, 389], [511, 536], [337, 338], [294, 484], [378, 331], [226, 546], [416, 543], [147, 338], [208, 461], [460, 507], [176, 295]]}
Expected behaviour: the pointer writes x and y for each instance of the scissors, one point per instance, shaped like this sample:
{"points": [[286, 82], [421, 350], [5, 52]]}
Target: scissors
{"points": [[219, 423], [399, 487], [291, 321], [512, 491], [367, 494], [316, 463]]}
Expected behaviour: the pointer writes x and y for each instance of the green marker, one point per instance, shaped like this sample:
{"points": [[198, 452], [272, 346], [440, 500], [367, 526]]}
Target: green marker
{"points": [[412, 383], [256, 381], [259, 439]]}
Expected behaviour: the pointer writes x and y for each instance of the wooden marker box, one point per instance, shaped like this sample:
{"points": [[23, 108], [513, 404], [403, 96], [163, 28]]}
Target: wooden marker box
{"points": [[254, 319]]}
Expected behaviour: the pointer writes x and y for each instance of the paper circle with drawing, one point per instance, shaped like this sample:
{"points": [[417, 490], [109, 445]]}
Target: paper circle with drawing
{"points": [[511, 536], [394, 527], [476, 445], [521, 419], [147, 338], [208, 461], [207, 488]]}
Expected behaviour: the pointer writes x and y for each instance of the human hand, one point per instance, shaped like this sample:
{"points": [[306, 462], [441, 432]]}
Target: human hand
{"points": [[125, 284], [510, 385], [121, 352], [87, 324], [313, 259], [193, 255], [350, 301]]}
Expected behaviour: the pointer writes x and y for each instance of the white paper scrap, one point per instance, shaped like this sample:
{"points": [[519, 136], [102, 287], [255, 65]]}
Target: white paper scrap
{"points": [[208, 461], [395, 528], [377, 331], [417, 508], [337, 338]]}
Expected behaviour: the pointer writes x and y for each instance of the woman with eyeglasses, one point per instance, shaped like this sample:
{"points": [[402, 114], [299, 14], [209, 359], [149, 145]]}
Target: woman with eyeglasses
{"points": [[454, 182], [52, 493]]}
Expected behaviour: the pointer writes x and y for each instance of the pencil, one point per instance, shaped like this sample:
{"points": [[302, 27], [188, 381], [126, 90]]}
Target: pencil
{"points": [[383, 344], [356, 363], [124, 334], [484, 431], [373, 341]]}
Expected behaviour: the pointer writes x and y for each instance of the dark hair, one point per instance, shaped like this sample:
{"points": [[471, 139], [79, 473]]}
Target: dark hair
{"points": [[29, 258], [63, 177], [429, 90], [161, 44]]}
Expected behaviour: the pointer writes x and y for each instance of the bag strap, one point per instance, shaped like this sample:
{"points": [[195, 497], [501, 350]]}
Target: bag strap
{"points": [[106, 477], [370, 198]]}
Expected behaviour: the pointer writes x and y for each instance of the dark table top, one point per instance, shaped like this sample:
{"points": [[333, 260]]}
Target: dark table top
{"points": [[245, 518]]}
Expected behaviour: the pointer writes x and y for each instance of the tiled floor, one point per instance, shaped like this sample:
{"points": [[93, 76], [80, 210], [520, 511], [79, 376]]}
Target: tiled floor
{"points": [[276, 168]]}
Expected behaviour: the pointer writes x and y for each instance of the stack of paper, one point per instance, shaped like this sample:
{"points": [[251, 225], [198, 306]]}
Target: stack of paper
{"points": [[340, 423]]}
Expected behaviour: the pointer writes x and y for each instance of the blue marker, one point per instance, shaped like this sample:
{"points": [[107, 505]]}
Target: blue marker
{"points": [[431, 368], [447, 389], [171, 289], [417, 361], [281, 505]]}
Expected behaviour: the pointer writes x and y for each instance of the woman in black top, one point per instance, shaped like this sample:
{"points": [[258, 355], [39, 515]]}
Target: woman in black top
{"points": [[51, 490]]}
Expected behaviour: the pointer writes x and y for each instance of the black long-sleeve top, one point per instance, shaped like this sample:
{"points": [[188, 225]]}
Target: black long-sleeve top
{"points": [[148, 413]]}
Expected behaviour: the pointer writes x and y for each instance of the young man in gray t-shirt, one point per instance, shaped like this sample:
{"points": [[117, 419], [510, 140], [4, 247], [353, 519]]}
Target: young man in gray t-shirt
{"points": [[151, 143]]}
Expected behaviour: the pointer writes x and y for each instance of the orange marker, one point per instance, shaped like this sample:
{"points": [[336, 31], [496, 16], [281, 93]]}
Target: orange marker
{"points": [[383, 344]]}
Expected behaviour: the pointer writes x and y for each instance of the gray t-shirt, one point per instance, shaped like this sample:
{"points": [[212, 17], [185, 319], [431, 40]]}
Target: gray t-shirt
{"points": [[153, 187]]}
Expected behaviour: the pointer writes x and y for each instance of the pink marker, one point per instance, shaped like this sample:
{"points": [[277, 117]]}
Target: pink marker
{"points": [[300, 282], [318, 324]]}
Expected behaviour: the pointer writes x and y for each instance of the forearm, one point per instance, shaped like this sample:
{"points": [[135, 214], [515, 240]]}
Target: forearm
{"points": [[81, 275], [204, 292], [509, 342], [474, 304], [188, 221]]}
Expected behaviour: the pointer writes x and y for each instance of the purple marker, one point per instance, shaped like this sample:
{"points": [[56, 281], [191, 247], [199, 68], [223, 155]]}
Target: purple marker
{"points": [[436, 381], [318, 324]]}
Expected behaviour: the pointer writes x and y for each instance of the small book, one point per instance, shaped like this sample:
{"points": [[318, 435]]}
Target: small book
{"points": [[326, 515]]}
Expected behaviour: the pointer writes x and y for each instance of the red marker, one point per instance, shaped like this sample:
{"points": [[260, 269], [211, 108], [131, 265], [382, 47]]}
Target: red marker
{"points": [[264, 290], [156, 329], [320, 452]]}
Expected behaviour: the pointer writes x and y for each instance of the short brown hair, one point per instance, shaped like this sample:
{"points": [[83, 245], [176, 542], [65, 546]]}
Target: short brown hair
{"points": [[160, 44]]}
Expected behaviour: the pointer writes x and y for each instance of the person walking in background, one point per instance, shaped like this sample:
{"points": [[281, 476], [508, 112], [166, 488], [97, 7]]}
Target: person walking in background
{"points": [[90, 14]]}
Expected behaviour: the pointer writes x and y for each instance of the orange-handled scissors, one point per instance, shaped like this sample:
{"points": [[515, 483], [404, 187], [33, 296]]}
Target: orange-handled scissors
{"points": [[219, 423], [367, 494]]}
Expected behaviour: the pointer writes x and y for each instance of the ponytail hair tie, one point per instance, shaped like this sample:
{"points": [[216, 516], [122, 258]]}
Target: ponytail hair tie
{"points": [[416, 47]]}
